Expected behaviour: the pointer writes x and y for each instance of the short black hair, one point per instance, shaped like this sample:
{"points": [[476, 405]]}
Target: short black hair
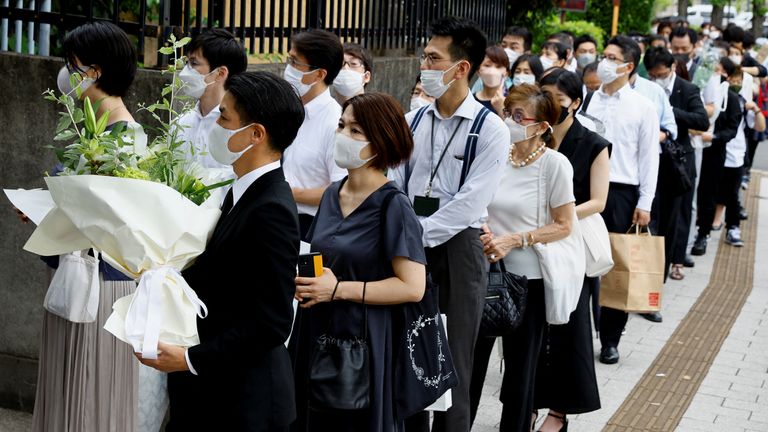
{"points": [[583, 39], [357, 51], [629, 49], [560, 49], [653, 38], [592, 67], [523, 33], [749, 40], [566, 81], [681, 32], [733, 33], [220, 48], [105, 45], [468, 42], [658, 56], [564, 38], [730, 68], [322, 49], [663, 24], [264, 98], [534, 63]]}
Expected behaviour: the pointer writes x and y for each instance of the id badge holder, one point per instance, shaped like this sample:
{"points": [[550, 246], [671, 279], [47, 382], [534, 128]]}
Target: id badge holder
{"points": [[425, 206]]}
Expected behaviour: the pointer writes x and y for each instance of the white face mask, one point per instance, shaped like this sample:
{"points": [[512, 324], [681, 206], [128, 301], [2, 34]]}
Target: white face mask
{"points": [[517, 132], [418, 102], [491, 76], [736, 59], [523, 79], [584, 59], [294, 77], [665, 82], [606, 71], [194, 82], [62, 80], [349, 83], [346, 152], [546, 62], [432, 81], [512, 55], [218, 144]]}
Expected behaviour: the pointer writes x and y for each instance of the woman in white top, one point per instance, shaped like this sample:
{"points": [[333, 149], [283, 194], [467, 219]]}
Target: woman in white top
{"points": [[513, 227]]}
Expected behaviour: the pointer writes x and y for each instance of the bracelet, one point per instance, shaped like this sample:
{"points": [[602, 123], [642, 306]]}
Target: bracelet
{"points": [[335, 288], [525, 241], [531, 241]]}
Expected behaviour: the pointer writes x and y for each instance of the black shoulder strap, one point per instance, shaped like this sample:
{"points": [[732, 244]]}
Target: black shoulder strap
{"points": [[470, 149], [584, 105]]}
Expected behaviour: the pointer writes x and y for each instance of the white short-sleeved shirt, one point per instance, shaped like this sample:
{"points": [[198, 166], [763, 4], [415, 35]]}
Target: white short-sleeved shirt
{"points": [[308, 162], [196, 128], [514, 208]]}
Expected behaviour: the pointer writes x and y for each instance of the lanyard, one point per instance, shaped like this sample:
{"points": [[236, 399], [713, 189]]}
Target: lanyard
{"points": [[432, 157]]}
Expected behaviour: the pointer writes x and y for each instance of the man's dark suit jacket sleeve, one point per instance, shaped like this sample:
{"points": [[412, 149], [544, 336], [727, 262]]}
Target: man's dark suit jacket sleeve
{"points": [[265, 264], [694, 116], [728, 122]]}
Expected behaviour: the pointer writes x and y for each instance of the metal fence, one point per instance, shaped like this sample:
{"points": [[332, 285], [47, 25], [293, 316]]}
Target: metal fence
{"points": [[264, 26]]}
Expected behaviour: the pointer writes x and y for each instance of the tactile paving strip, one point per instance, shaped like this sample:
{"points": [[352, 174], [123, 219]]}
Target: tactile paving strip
{"points": [[663, 394]]}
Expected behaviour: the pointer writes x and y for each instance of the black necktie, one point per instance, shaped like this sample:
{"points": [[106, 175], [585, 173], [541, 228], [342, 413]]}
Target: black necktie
{"points": [[228, 202]]}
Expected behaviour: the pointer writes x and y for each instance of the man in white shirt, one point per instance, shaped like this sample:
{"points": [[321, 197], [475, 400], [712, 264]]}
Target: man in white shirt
{"points": [[314, 61], [451, 196], [632, 126], [214, 56]]}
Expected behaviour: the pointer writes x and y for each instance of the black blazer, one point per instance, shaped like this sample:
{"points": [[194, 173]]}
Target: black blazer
{"points": [[246, 279], [689, 111], [727, 123]]}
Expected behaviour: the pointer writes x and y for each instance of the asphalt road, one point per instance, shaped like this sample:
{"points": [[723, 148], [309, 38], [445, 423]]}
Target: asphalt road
{"points": [[761, 157]]}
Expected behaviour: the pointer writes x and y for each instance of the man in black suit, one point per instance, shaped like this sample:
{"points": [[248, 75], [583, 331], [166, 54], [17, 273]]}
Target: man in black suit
{"points": [[682, 42], [239, 377], [688, 108]]}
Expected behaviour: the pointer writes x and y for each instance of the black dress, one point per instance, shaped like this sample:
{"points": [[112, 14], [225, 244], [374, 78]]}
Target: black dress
{"points": [[351, 247], [565, 375]]}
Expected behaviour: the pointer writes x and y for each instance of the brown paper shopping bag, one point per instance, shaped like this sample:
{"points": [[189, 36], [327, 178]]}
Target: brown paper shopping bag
{"points": [[636, 280]]}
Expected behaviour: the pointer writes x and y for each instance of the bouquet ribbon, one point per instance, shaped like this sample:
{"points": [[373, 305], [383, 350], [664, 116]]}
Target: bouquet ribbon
{"points": [[145, 312]]}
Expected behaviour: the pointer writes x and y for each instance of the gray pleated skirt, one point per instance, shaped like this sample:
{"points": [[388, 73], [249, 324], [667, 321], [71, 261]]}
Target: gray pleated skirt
{"points": [[87, 379]]}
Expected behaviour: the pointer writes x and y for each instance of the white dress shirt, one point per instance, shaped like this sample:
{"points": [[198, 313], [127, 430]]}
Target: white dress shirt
{"points": [[195, 132], [632, 126], [459, 209], [308, 162], [238, 189], [660, 100]]}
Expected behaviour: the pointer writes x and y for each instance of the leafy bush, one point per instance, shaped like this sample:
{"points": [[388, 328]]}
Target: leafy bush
{"points": [[634, 15], [578, 28]]}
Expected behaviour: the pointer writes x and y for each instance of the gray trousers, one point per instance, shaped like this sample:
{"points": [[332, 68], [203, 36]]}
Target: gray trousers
{"points": [[459, 268]]}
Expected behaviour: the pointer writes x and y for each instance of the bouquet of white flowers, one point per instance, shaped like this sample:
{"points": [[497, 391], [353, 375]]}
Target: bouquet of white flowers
{"points": [[145, 208]]}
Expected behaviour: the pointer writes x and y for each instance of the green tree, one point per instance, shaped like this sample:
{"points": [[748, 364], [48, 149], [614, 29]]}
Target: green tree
{"points": [[634, 15]]}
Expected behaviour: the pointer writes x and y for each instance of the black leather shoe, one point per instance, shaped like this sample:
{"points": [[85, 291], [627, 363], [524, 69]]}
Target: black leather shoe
{"points": [[689, 262], [652, 316], [609, 355], [699, 246]]}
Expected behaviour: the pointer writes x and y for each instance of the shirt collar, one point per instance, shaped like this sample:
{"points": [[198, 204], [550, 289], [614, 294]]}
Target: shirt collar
{"points": [[214, 112], [618, 94], [466, 109], [243, 183], [672, 82], [318, 104]]}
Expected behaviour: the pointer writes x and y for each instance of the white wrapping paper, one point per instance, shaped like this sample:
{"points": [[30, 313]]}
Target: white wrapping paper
{"points": [[146, 230]]}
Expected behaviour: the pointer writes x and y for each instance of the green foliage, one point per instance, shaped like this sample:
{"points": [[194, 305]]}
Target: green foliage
{"points": [[634, 15], [578, 28], [123, 152], [529, 13]]}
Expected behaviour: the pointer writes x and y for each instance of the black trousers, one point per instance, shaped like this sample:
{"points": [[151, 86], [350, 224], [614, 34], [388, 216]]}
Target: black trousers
{"points": [[459, 267], [619, 209], [305, 222], [752, 142], [728, 195], [521, 356], [712, 160], [684, 218], [666, 210], [565, 376]]}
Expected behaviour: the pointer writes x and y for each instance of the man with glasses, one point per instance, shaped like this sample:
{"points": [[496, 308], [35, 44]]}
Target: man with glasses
{"points": [[451, 178], [632, 126], [314, 61], [355, 74]]}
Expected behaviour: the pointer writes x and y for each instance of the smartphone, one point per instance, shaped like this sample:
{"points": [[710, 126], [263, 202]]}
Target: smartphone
{"points": [[311, 265]]}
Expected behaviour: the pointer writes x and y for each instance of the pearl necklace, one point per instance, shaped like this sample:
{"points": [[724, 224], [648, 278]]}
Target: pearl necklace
{"points": [[524, 162]]}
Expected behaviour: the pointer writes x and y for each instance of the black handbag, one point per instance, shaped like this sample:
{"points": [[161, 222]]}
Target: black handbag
{"points": [[504, 301], [339, 375], [673, 161]]}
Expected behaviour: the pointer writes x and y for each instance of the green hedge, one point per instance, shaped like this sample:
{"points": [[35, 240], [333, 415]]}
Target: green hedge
{"points": [[578, 28]]}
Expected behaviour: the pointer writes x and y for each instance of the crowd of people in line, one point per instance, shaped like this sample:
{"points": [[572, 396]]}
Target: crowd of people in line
{"points": [[389, 197]]}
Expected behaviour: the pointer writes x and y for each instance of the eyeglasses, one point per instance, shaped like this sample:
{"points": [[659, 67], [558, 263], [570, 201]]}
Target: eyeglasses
{"points": [[430, 59], [612, 58], [293, 62], [354, 64], [517, 116]]}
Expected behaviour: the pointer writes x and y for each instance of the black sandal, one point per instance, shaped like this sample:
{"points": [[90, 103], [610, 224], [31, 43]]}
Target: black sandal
{"points": [[563, 418]]}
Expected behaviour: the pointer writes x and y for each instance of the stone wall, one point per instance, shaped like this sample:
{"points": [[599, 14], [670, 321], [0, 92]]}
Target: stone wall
{"points": [[27, 125]]}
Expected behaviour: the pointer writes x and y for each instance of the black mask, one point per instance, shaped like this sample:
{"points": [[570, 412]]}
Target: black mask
{"points": [[563, 115], [682, 58]]}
